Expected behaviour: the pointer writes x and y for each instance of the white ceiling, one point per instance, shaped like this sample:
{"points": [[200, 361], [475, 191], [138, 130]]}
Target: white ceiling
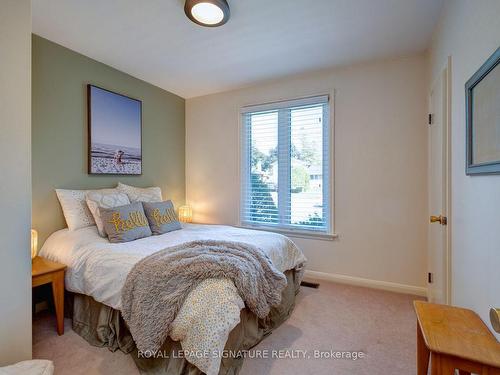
{"points": [[264, 39]]}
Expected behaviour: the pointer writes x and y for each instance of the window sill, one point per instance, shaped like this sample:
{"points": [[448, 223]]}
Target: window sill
{"points": [[294, 233]]}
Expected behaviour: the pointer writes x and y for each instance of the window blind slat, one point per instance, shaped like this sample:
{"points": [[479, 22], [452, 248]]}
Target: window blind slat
{"points": [[313, 100]]}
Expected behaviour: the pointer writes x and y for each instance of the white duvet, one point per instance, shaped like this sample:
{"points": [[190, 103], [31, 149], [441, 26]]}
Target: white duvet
{"points": [[99, 268]]}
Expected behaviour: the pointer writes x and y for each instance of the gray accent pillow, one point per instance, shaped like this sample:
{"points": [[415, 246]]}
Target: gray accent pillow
{"points": [[125, 223], [161, 216]]}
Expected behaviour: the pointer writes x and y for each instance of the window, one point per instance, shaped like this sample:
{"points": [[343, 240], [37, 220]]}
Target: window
{"points": [[286, 165]]}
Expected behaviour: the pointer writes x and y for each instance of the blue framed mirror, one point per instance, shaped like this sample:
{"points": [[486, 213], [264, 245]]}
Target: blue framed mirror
{"points": [[482, 95]]}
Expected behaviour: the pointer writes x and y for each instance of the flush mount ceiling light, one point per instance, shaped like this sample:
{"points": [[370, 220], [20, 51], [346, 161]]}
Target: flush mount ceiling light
{"points": [[209, 13]]}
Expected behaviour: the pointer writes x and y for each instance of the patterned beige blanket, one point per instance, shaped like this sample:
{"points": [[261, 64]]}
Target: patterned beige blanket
{"points": [[158, 285]]}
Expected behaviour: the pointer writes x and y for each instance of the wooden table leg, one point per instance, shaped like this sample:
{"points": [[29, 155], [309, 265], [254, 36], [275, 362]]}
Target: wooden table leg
{"points": [[435, 364], [58, 293], [422, 353], [447, 366]]}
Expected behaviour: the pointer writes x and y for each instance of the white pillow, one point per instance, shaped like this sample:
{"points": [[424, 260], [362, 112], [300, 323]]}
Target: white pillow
{"points": [[75, 209], [137, 194], [106, 198]]}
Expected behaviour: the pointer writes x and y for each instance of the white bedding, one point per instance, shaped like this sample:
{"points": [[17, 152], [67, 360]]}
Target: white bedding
{"points": [[99, 268]]}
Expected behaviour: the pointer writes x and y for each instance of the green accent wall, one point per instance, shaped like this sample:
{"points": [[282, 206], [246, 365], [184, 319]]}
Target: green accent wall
{"points": [[59, 131]]}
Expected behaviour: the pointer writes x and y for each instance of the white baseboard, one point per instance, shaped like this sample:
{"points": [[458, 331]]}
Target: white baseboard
{"points": [[368, 283]]}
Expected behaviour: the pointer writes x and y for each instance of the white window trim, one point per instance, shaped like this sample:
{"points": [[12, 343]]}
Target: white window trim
{"points": [[328, 235], [309, 234]]}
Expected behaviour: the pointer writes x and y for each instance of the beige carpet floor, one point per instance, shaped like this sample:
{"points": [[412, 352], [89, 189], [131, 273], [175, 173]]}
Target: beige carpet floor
{"points": [[334, 317]]}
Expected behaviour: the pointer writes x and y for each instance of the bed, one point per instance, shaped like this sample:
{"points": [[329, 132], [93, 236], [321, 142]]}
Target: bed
{"points": [[212, 319]]}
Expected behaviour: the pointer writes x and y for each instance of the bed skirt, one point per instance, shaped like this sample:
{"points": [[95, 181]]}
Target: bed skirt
{"points": [[104, 326]]}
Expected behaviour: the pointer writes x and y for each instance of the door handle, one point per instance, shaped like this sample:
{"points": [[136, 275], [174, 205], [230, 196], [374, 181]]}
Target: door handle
{"points": [[495, 319], [443, 220]]}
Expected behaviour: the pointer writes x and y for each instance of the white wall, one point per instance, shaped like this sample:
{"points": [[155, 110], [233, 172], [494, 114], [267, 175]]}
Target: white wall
{"points": [[15, 184], [469, 31], [380, 165]]}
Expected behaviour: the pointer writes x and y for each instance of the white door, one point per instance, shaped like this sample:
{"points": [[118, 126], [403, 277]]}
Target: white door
{"points": [[438, 252]]}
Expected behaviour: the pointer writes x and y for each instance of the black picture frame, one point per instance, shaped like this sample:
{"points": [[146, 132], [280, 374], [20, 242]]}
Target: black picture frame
{"points": [[134, 167], [489, 167]]}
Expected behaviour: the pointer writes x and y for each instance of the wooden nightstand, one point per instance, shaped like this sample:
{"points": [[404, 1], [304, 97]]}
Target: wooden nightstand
{"points": [[44, 271], [454, 338]]}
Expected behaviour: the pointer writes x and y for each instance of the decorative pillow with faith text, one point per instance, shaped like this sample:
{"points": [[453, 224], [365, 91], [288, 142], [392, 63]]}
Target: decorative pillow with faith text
{"points": [[161, 216], [125, 223]]}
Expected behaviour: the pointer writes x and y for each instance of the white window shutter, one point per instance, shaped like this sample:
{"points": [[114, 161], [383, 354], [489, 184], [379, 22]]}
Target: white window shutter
{"points": [[286, 165]]}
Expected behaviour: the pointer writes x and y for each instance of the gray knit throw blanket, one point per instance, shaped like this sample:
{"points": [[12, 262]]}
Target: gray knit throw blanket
{"points": [[158, 285]]}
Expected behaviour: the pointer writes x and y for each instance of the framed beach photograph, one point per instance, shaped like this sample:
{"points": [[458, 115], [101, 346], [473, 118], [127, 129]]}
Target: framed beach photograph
{"points": [[482, 93], [115, 133]]}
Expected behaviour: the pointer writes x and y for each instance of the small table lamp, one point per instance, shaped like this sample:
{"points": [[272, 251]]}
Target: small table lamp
{"points": [[185, 214], [34, 243]]}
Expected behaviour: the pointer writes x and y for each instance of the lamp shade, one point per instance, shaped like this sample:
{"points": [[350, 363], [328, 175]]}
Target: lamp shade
{"points": [[34, 243], [185, 214]]}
